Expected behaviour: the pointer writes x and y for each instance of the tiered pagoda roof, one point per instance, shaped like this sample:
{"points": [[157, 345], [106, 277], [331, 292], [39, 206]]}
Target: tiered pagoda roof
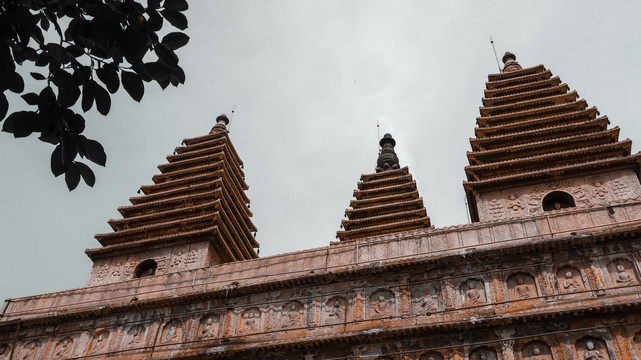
{"points": [[199, 195], [386, 201], [532, 128]]}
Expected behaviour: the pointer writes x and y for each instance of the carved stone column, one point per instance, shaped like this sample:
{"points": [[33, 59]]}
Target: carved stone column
{"points": [[405, 299], [358, 306], [228, 326], [497, 286], [270, 317], [546, 280], [596, 277], [449, 294], [457, 354], [314, 304], [621, 344], [507, 348]]}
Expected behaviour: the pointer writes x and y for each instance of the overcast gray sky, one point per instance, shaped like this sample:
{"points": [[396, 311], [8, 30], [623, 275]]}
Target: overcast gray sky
{"points": [[309, 80]]}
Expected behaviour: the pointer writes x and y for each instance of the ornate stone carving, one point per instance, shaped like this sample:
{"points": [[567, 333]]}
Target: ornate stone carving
{"points": [[507, 349], [30, 350], [599, 189], [620, 188], [521, 286], [568, 280], [449, 294], [98, 344], [358, 307], [473, 292], [431, 355], [536, 350], [495, 208], [171, 332], [514, 205], [135, 336], [426, 298], [483, 353], [622, 272], [590, 348], [381, 304], [292, 315], [209, 326], [335, 310], [250, 321]]}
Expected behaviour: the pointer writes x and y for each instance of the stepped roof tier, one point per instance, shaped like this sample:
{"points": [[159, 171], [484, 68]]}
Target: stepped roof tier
{"points": [[386, 201], [532, 128], [199, 195]]}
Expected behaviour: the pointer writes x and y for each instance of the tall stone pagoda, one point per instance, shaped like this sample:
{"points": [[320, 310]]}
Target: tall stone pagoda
{"points": [[549, 269]]}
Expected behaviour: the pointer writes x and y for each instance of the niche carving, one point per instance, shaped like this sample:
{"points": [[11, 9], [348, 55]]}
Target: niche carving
{"points": [[431, 355], [622, 272], [250, 321], [381, 304], [171, 332], [536, 350], [568, 280], [521, 286], [135, 336], [473, 292], [209, 326], [335, 310], [426, 298], [98, 344], [591, 348], [292, 314], [483, 353], [30, 350]]}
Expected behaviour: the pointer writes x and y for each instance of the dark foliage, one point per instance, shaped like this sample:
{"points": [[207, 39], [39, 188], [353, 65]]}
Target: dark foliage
{"points": [[101, 45]]}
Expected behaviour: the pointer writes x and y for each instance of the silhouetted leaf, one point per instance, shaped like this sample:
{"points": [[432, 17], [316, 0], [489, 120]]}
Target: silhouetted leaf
{"points": [[69, 150], [86, 173], [14, 82], [4, 106], [166, 55], [141, 70], [178, 5], [154, 23], [158, 70], [58, 53], [175, 18], [31, 98], [68, 90], [103, 100], [175, 40], [133, 84], [37, 76], [20, 123], [95, 152], [109, 77], [177, 76], [87, 95], [76, 123], [56, 161], [72, 176]]}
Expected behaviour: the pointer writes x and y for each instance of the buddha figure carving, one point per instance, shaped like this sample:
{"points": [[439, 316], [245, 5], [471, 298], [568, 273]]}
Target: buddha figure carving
{"points": [[99, 343], [623, 277], [429, 301], [171, 332], [381, 304], [522, 286], [63, 348], [591, 352], [209, 327], [293, 315], [334, 311], [473, 292], [136, 334], [250, 321]]}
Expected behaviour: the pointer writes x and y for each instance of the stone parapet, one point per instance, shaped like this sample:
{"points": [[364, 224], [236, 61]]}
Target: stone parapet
{"points": [[369, 255]]}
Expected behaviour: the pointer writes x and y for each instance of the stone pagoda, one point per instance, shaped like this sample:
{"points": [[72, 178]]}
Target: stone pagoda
{"points": [[549, 269]]}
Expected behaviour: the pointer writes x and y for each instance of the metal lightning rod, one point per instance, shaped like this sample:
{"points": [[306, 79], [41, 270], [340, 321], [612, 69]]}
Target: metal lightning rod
{"points": [[378, 135], [495, 56], [233, 109]]}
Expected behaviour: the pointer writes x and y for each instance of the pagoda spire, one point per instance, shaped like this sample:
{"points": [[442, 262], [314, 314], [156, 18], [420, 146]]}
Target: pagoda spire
{"points": [[196, 213], [510, 64], [386, 201], [387, 159], [536, 138]]}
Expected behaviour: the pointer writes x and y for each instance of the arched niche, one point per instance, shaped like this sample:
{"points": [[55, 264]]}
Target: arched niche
{"points": [[522, 286], [557, 200], [146, 268]]}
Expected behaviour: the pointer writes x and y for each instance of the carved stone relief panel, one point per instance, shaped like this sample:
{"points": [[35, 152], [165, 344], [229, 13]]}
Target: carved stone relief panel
{"points": [[209, 326], [98, 344], [135, 336], [569, 280], [171, 332], [292, 315], [382, 303], [622, 272], [334, 310], [5, 351], [521, 286], [473, 292], [600, 189], [536, 350], [591, 348], [30, 350], [431, 355], [250, 321], [426, 298], [178, 257], [483, 353], [63, 348]]}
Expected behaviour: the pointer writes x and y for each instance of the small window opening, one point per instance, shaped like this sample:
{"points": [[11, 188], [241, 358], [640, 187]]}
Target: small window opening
{"points": [[558, 200], [146, 268]]}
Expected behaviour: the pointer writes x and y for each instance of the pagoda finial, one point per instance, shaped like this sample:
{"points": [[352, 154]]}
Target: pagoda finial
{"points": [[509, 60], [221, 123], [387, 159]]}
